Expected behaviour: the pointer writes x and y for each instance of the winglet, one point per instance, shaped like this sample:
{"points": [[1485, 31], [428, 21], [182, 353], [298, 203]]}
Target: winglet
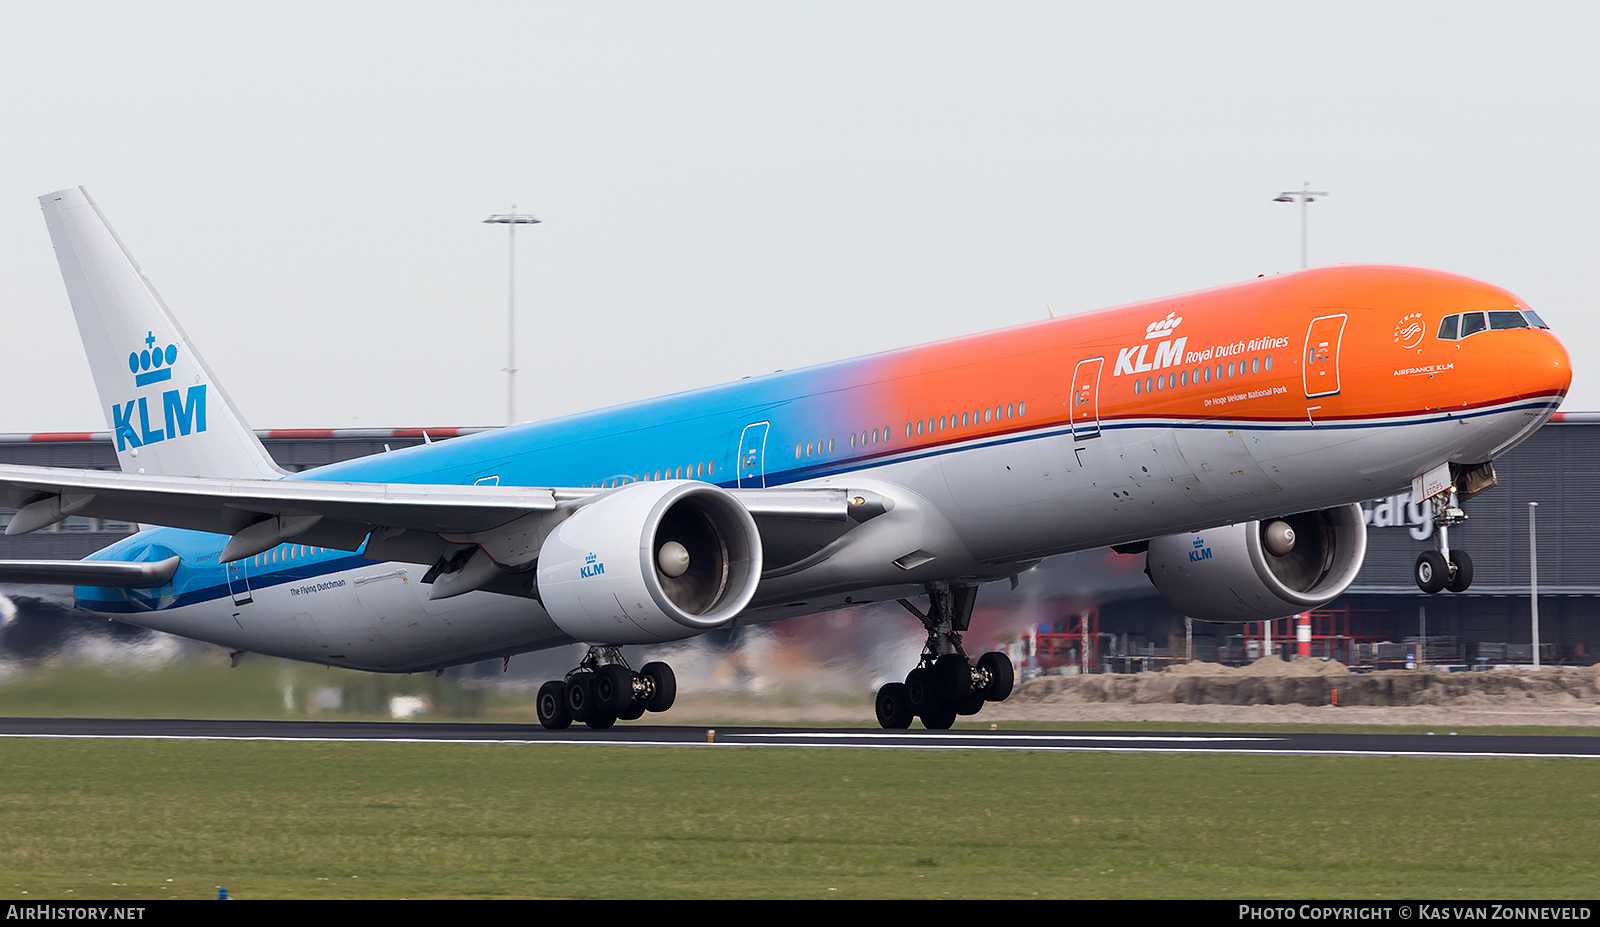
{"points": [[167, 412]]}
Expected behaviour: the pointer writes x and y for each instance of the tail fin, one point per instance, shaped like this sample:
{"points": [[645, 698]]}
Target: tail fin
{"points": [[167, 412]]}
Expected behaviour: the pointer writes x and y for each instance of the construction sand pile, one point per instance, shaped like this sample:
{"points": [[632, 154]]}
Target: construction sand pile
{"points": [[1267, 691], [1307, 691]]}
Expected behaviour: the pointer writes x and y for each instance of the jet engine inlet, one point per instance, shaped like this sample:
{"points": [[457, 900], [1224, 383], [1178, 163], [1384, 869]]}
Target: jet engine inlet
{"points": [[650, 562], [1259, 570]]}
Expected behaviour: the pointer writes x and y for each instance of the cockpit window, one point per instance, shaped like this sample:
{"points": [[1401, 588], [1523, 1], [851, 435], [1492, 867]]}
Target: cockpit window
{"points": [[1456, 327]]}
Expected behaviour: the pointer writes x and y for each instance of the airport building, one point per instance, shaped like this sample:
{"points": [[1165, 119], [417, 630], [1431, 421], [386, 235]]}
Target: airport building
{"points": [[1382, 618]]}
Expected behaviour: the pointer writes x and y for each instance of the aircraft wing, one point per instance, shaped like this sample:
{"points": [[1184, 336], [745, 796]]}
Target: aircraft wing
{"points": [[339, 513], [417, 523]]}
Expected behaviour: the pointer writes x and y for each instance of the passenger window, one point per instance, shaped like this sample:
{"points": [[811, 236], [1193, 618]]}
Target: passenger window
{"points": [[1471, 323], [1449, 328]]}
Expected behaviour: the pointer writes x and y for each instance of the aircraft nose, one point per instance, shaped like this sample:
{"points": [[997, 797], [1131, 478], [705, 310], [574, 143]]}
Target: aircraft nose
{"points": [[1539, 365]]}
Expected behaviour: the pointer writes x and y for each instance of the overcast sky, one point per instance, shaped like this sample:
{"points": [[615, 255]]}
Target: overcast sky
{"points": [[733, 188]]}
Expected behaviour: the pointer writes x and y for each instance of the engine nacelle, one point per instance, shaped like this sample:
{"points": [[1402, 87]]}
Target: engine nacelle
{"points": [[1260, 569], [650, 562]]}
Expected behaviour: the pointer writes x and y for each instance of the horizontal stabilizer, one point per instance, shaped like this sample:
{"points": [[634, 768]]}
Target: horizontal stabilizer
{"points": [[88, 573]]}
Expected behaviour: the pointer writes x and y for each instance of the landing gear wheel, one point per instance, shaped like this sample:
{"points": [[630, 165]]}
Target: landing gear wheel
{"points": [[580, 696], [1431, 571], [952, 677], [552, 706], [665, 683], [613, 689], [1002, 677], [601, 722], [940, 718], [919, 690], [894, 707], [1461, 571], [971, 705], [633, 712]]}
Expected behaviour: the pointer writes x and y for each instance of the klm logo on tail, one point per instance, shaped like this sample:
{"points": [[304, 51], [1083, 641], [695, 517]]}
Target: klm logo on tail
{"points": [[182, 412]]}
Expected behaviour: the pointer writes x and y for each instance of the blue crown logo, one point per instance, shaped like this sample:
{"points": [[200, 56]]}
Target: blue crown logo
{"points": [[1199, 543], [153, 364], [589, 559]]}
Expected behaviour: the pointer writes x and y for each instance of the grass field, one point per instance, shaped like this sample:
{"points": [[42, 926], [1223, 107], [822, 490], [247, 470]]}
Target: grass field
{"points": [[120, 819], [151, 819]]}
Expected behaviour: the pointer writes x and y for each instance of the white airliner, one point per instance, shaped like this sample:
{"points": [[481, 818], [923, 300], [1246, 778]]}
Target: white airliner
{"points": [[1228, 434]]}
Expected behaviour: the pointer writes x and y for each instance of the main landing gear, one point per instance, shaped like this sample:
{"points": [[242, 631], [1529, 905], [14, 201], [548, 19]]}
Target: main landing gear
{"points": [[944, 684], [603, 690], [1443, 568]]}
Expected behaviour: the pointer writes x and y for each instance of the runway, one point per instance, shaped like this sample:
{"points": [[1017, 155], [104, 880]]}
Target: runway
{"points": [[415, 732]]}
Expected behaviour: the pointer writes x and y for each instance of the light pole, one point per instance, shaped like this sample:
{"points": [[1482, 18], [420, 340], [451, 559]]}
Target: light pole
{"points": [[1304, 196], [511, 220], [1533, 579]]}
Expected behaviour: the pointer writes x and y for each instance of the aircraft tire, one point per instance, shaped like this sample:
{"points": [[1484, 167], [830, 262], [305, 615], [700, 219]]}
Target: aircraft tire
{"points": [[952, 678], [971, 705], [552, 706], [939, 719], [919, 690], [1002, 676], [665, 683], [613, 689], [633, 712], [894, 707], [1430, 571], [1461, 572], [600, 722], [580, 696]]}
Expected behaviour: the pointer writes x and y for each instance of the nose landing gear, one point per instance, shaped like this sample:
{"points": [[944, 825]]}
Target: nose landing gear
{"points": [[944, 683], [1444, 568]]}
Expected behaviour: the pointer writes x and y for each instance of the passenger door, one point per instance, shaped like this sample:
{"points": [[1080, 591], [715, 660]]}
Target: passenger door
{"points": [[1085, 401], [1321, 371]]}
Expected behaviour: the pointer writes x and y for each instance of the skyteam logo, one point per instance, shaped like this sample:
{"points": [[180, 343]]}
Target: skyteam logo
{"points": [[592, 567], [181, 412], [1168, 352]]}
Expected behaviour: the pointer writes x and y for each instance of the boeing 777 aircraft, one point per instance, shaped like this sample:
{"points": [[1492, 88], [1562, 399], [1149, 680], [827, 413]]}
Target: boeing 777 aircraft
{"points": [[1227, 434]]}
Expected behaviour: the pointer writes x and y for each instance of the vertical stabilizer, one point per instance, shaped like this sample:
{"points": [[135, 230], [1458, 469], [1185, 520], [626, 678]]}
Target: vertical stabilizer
{"points": [[166, 410]]}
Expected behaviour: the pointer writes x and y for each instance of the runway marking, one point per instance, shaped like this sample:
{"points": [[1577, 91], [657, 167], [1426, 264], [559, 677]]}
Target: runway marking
{"points": [[1133, 738], [925, 742]]}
